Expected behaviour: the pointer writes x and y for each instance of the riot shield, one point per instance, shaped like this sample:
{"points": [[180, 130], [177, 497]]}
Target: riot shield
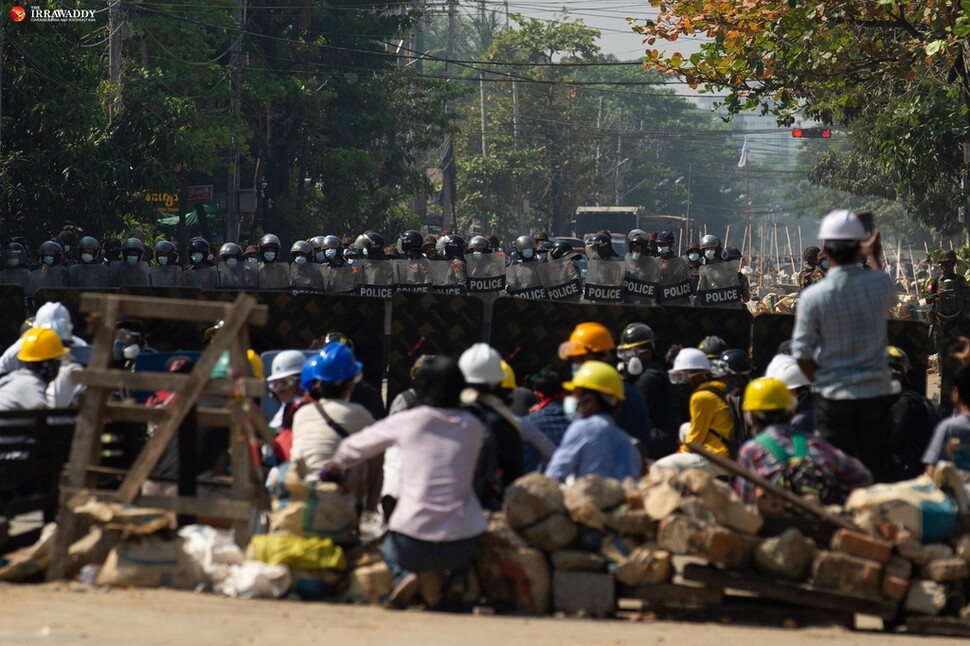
{"points": [[167, 276], [522, 280], [641, 282], [273, 275], [377, 277], [305, 277], [18, 276], [674, 281], [604, 282], [413, 275], [486, 273], [718, 285], [125, 275], [448, 277], [339, 280], [561, 280], [239, 277], [200, 277], [47, 277]]}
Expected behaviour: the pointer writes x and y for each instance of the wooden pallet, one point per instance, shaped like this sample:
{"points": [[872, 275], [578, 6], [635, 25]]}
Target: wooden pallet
{"points": [[101, 379], [734, 610], [940, 626]]}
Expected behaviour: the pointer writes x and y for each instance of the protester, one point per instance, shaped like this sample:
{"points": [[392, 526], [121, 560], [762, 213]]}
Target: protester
{"points": [[40, 356], [840, 341], [711, 420], [913, 419], [546, 415], [803, 463], [641, 365], [955, 428], [593, 443], [284, 385], [438, 520]]}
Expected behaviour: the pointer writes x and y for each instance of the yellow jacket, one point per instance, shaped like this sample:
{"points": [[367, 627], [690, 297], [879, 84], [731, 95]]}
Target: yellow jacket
{"points": [[709, 412]]}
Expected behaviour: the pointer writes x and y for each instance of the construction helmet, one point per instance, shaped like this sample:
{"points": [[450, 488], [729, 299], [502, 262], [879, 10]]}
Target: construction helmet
{"points": [[898, 360], [481, 364], [713, 346], [40, 344], [508, 381], [587, 338], [636, 335], [287, 364], [691, 359], [334, 364], [767, 394], [841, 224], [793, 376], [737, 361], [598, 376]]}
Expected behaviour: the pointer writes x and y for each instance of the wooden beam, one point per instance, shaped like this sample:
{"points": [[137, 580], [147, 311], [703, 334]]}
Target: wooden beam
{"points": [[123, 380], [217, 506], [795, 501], [235, 321], [131, 412], [171, 309]]}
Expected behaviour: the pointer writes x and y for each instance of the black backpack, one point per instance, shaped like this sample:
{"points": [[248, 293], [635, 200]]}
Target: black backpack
{"points": [[799, 472], [739, 434]]}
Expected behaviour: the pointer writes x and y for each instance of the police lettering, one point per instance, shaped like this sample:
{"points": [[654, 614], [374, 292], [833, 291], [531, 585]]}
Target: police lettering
{"points": [[639, 287], [534, 293], [602, 293], [414, 289], [377, 291], [675, 291], [448, 290], [492, 284], [562, 292], [717, 296]]}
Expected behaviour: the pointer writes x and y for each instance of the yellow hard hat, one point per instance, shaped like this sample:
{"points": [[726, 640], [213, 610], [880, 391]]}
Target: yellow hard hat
{"points": [[255, 364], [766, 394], [41, 344], [508, 381], [587, 338], [897, 357], [598, 376]]}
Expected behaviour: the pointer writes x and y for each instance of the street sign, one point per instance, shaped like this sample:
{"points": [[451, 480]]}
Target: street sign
{"points": [[196, 194]]}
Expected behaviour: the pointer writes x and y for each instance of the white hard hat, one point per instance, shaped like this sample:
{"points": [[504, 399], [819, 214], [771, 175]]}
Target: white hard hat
{"points": [[49, 312], [778, 364], [841, 224], [793, 377], [481, 364], [287, 364], [691, 359]]}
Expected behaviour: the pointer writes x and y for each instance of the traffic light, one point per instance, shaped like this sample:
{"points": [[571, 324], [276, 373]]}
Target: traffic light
{"points": [[811, 133]]}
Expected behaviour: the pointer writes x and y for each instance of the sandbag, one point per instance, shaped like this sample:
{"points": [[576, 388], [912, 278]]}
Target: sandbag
{"points": [[918, 505], [150, 562], [298, 552]]}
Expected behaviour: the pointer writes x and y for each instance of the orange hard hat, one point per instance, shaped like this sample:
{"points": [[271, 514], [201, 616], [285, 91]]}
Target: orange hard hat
{"points": [[587, 338]]}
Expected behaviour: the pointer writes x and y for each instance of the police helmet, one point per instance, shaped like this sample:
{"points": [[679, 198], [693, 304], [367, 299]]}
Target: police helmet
{"points": [[479, 244], [230, 250], [561, 249], [410, 241], [270, 242], [710, 241], [450, 247]]}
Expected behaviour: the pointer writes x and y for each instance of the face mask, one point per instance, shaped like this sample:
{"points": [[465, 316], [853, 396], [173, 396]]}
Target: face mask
{"points": [[709, 254], [162, 261], [570, 407], [663, 250], [269, 256], [197, 258], [824, 264], [635, 255], [48, 260], [13, 262], [232, 262], [252, 261], [87, 257], [634, 366], [320, 256], [330, 254], [543, 256], [477, 253], [693, 257], [131, 260], [527, 253], [210, 257], [300, 260], [67, 248]]}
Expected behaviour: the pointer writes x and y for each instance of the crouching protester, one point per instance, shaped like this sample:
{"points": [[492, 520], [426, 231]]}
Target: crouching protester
{"points": [[437, 522], [804, 464]]}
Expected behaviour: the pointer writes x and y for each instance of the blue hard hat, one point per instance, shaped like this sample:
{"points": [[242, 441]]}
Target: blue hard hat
{"points": [[334, 364]]}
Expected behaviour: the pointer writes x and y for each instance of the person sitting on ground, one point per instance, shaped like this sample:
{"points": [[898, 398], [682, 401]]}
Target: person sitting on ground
{"points": [[805, 464], [955, 428], [438, 520], [546, 415], [594, 443], [283, 384], [40, 356]]}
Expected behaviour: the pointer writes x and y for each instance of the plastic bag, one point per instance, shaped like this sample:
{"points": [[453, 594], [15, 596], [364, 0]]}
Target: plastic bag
{"points": [[918, 505]]}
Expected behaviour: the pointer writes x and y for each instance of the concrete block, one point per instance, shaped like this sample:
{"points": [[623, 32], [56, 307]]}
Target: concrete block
{"points": [[588, 592], [847, 573], [925, 597], [788, 555]]}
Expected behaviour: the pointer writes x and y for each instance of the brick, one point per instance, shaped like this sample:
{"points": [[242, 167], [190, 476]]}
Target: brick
{"points": [[847, 573], [899, 567], [583, 592], [729, 549], [925, 597], [788, 555], [894, 588], [861, 545], [553, 533], [942, 570]]}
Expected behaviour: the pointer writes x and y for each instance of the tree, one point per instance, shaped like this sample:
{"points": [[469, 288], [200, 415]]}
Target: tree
{"points": [[843, 63]]}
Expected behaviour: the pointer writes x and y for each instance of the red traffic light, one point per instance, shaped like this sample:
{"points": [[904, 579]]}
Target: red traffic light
{"points": [[797, 132], [811, 133]]}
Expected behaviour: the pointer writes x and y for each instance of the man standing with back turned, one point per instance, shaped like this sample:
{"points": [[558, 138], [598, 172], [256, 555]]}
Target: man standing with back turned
{"points": [[839, 341]]}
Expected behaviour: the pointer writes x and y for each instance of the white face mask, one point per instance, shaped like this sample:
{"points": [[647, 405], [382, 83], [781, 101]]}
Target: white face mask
{"points": [[131, 260], [663, 250], [543, 256], [48, 260], [13, 262], [635, 255], [269, 256], [476, 253], [300, 260], [527, 253], [321, 255], [232, 262], [709, 254], [330, 254], [196, 258], [570, 407], [163, 260], [693, 257]]}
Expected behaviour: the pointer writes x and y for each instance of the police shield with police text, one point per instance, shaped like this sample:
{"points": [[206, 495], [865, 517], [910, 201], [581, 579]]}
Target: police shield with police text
{"points": [[718, 285], [561, 279], [604, 282], [413, 275], [674, 281], [271, 272], [485, 272]]}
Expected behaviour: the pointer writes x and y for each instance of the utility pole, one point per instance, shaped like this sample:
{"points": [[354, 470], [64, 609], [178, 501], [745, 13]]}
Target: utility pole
{"points": [[235, 77], [481, 94], [449, 221], [116, 26], [617, 182], [599, 149]]}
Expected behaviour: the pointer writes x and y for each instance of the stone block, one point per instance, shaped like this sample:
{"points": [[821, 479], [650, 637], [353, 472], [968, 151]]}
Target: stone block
{"points": [[578, 560], [532, 498], [588, 592], [942, 570], [938, 551], [739, 517], [788, 555], [675, 533], [925, 597], [603, 493], [519, 578], [661, 500], [909, 547], [588, 514], [696, 509], [635, 522], [846, 573], [727, 548], [862, 545], [499, 533], [961, 548], [894, 588], [899, 567], [553, 533]]}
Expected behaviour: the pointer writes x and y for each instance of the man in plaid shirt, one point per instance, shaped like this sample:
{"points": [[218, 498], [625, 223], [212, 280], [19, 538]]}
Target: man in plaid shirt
{"points": [[768, 409]]}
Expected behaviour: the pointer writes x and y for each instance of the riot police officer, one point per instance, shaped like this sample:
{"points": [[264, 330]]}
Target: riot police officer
{"points": [[370, 244], [234, 272], [14, 270], [271, 272], [711, 249], [303, 273], [200, 273], [409, 244], [450, 247], [479, 245], [317, 243], [525, 249], [166, 271], [51, 272], [132, 270]]}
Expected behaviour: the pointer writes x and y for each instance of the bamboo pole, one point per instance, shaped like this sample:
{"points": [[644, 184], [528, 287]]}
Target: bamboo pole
{"points": [[761, 255], [801, 248], [680, 241], [912, 262], [777, 251], [791, 252], [727, 236]]}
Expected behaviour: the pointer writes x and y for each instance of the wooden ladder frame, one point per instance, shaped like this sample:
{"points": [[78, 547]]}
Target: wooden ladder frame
{"points": [[101, 379]]}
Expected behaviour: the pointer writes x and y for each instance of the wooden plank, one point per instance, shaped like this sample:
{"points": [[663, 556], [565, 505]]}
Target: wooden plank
{"points": [[795, 501], [131, 412], [123, 379], [215, 506], [942, 626], [797, 593], [671, 593], [171, 309], [736, 610], [235, 321], [242, 465]]}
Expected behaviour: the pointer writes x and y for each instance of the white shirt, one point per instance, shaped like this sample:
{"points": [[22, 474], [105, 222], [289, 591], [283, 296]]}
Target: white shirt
{"points": [[314, 441]]}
